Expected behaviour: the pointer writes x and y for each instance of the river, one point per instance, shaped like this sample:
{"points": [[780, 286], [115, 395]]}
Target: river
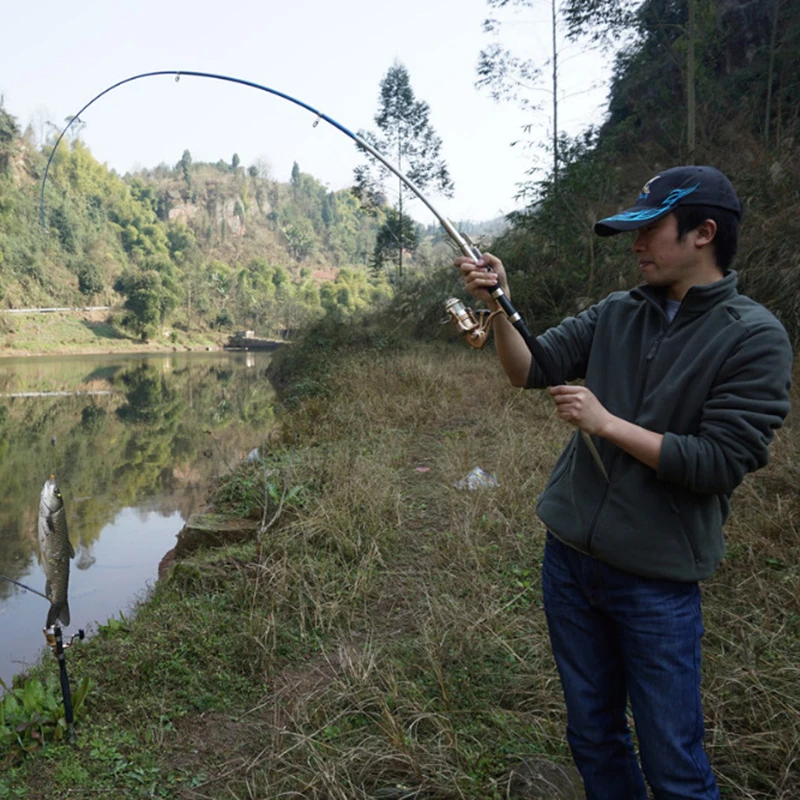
{"points": [[134, 442]]}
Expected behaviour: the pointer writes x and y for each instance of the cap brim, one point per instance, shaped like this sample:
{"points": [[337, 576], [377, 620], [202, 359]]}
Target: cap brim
{"points": [[630, 219]]}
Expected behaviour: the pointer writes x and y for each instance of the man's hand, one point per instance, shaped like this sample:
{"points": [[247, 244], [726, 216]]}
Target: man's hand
{"points": [[477, 278], [511, 348], [578, 406]]}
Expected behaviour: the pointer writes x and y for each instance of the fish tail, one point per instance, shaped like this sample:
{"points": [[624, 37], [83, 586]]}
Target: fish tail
{"points": [[58, 613]]}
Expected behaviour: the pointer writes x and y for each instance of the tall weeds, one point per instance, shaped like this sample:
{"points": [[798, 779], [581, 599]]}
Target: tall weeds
{"points": [[428, 671]]}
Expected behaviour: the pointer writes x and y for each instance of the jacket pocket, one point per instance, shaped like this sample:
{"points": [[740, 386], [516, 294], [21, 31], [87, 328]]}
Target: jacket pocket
{"points": [[563, 465], [674, 505]]}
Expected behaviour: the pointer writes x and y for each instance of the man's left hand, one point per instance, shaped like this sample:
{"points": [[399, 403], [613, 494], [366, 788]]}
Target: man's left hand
{"points": [[578, 406]]}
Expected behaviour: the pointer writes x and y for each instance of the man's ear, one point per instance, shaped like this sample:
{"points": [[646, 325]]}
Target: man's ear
{"points": [[706, 231]]}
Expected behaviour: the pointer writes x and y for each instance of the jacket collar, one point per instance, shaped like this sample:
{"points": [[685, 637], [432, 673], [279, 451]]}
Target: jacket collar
{"points": [[698, 299]]}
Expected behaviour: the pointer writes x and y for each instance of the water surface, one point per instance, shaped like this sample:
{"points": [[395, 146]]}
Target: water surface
{"points": [[134, 443]]}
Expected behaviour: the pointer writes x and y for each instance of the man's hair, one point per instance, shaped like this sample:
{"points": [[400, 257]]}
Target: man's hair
{"points": [[726, 239]]}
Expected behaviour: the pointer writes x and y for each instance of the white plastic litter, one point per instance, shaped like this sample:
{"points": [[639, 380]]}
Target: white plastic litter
{"points": [[477, 479]]}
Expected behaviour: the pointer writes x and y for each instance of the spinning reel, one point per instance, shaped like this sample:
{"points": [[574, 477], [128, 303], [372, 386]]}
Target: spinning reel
{"points": [[474, 326]]}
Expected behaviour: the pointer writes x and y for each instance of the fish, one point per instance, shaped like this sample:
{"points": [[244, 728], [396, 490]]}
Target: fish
{"points": [[55, 550]]}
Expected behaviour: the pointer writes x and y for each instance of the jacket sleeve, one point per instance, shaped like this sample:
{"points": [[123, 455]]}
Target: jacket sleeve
{"points": [[748, 402], [568, 345]]}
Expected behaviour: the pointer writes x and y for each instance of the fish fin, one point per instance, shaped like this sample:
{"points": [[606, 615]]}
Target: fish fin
{"points": [[64, 615], [71, 550]]}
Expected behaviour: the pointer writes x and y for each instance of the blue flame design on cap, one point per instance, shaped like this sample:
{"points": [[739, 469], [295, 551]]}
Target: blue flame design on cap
{"points": [[644, 213]]}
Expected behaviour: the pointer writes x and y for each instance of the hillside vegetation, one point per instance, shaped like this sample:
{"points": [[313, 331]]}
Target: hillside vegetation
{"points": [[193, 247]]}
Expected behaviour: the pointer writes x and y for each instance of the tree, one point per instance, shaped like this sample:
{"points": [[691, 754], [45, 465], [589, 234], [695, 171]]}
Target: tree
{"points": [[602, 22], [185, 166], [676, 25], [511, 78], [89, 280], [398, 232], [142, 302], [407, 138], [150, 295], [9, 131]]}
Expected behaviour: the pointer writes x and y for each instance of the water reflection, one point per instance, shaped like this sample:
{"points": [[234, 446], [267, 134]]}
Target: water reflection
{"points": [[134, 442]]}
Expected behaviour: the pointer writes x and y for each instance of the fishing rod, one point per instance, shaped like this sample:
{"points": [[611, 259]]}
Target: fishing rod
{"points": [[362, 143], [23, 586], [458, 314], [55, 641]]}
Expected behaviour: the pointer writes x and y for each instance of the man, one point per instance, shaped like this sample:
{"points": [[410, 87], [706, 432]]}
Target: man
{"points": [[685, 382]]}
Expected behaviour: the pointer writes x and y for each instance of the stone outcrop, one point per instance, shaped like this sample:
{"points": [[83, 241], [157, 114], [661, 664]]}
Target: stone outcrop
{"points": [[208, 530], [214, 530]]}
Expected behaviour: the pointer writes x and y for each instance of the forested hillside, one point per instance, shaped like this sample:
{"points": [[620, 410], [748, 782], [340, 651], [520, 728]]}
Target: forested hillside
{"points": [[697, 81], [192, 246]]}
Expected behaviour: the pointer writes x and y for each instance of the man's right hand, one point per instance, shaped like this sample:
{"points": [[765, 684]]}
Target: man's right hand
{"points": [[511, 348], [477, 278]]}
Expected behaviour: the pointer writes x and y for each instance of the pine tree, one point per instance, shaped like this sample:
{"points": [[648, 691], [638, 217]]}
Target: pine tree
{"points": [[408, 139]]}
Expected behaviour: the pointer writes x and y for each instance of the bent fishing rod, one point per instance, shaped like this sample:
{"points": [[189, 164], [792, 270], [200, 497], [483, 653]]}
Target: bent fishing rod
{"points": [[458, 315], [463, 243]]}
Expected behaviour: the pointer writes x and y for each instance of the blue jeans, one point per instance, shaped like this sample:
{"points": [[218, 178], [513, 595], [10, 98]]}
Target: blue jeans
{"points": [[617, 636]]}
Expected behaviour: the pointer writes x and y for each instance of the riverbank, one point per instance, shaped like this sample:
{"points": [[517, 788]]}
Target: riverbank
{"points": [[383, 636], [90, 332]]}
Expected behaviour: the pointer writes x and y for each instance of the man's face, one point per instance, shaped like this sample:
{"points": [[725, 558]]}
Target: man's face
{"points": [[665, 260]]}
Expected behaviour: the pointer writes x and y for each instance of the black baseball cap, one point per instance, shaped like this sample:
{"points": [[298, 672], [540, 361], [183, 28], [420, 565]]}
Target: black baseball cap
{"points": [[678, 186]]}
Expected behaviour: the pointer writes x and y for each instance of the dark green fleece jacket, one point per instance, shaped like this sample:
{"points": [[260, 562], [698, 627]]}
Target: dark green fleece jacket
{"points": [[715, 382]]}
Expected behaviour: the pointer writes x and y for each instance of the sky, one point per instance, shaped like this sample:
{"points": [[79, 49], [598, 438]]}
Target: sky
{"points": [[330, 54]]}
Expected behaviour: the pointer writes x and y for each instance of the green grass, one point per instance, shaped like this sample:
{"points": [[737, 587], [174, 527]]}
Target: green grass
{"points": [[86, 332], [385, 636]]}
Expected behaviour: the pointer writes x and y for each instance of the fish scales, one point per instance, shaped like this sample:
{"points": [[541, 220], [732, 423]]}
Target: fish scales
{"points": [[56, 551]]}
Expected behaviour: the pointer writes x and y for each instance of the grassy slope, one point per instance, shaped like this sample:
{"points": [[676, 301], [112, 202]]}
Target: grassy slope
{"points": [[387, 631], [86, 332]]}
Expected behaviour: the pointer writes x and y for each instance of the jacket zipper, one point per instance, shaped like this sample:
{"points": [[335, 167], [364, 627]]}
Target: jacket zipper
{"points": [[648, 361]]}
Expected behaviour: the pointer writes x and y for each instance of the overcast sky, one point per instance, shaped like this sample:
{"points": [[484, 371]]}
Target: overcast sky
{"points": [[330, 54]]}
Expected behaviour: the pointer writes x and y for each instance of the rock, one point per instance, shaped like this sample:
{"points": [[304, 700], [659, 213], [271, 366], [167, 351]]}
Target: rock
{"points": [[214, 530], [537, 778], [166, 564]]}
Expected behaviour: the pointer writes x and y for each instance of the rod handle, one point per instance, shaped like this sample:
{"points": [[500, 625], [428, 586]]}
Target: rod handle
{"points": [[551, 373]]}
